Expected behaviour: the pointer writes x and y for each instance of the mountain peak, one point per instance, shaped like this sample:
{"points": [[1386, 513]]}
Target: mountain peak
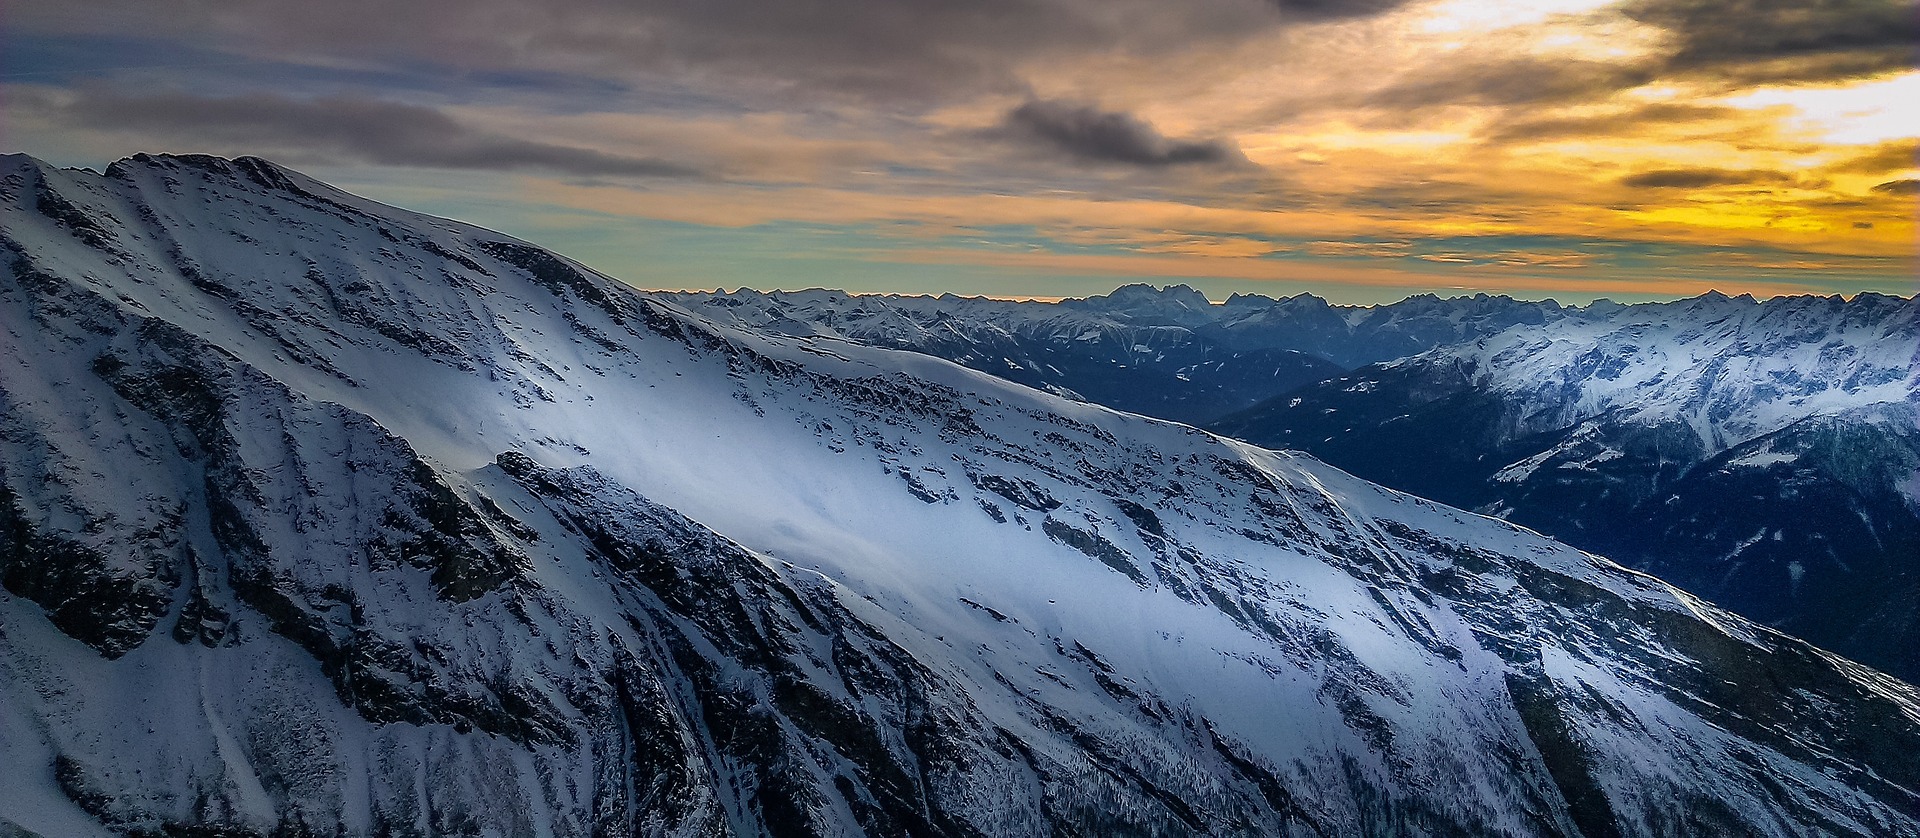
{"points": [[1172, 305], [17, 160], [1184, 294], [252, 172], [1243, 300]]}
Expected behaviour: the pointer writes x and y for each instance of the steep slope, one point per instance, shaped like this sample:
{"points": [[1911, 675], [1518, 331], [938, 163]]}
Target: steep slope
{"points": [[1168, 352], [1761, 454], [323, 517], [1813, 528]]}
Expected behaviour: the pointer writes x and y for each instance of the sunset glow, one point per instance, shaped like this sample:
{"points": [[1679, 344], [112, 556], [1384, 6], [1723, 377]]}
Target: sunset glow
{"points": [[1578, 148]]}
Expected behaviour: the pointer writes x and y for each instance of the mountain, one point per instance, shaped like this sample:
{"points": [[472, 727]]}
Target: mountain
{"points": [[325, 518], [1164, 352], [1765, 455], [1136, 350], [1353, 336]]}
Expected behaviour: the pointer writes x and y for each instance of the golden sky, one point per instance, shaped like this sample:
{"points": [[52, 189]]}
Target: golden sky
{"points": [[1361, 150]]}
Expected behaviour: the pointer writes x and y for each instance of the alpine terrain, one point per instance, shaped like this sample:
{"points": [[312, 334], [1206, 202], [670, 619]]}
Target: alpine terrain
{"points": [[320, 517], [1167, 352], [1765, 455]]}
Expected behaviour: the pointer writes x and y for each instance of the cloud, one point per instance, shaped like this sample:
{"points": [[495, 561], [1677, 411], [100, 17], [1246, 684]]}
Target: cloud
{"points": [[908, 53], [1335, 9], [1785, 39], [1125, 119], [1899, 187], [1518, 81], [1736, 42], [1888, 157], [1507, 277], [1089, 134], [1240, 247], [1631, 122], [1701, 178], [1360, 248], [365, 130]]}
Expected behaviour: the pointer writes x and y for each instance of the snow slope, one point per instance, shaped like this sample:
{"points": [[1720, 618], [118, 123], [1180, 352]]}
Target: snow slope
{"points": [[322, 517]]}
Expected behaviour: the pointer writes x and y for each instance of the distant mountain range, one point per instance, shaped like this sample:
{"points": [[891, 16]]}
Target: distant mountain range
{"points": [[1162, 352], [320, 517]]}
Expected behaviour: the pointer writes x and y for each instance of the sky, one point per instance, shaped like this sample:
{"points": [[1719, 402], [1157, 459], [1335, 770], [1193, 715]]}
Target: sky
{"points": [[1362, 150]]}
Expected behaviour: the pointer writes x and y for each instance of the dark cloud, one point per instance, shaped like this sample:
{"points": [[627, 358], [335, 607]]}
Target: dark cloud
{"points": [[1519, 81], [909, 52], [1888, 157], [1899, 187], [371, 131], [1702, 177], [1087, 133], [1738, 42], [1627, 122], [1787, 38], [1334, 9]]}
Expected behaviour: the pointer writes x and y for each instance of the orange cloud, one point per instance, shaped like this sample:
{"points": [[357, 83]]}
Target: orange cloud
{"points": [[1497, 280]]}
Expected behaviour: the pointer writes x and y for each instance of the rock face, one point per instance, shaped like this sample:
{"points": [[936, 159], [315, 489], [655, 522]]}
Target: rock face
{"points": [[1168, 353], [325, 518], [1764, 455]]}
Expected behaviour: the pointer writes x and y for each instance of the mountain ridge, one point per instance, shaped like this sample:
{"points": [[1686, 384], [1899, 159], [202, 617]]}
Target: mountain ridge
{"points": [[1162, 352]]}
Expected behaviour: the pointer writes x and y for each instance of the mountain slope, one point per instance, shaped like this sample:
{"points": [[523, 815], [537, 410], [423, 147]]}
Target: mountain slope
{"points": [[322, 517], [1761, 454]]}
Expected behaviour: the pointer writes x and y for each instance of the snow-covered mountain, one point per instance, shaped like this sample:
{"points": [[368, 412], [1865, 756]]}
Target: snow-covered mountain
{"points": [[1165, 352], [323, 517], [1356, 335], [1763, 454], [1136, 350]]}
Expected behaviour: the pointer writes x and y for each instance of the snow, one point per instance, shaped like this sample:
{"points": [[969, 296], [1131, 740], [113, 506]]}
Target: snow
{"points": [[858, 477], [1754, 368], [1762, 459]]}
